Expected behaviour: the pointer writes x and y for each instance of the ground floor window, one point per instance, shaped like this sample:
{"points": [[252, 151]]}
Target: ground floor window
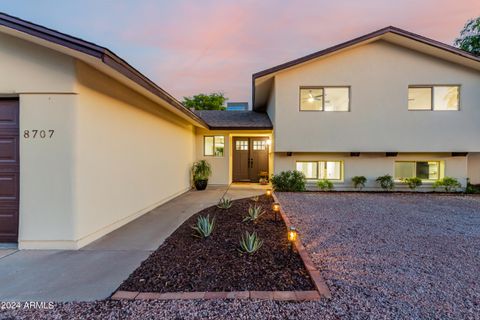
{"points": [[425, 170], [213, 146], [331, 170]]}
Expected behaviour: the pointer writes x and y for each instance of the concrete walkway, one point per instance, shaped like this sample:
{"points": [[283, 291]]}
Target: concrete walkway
{"points": [[96, 270]]}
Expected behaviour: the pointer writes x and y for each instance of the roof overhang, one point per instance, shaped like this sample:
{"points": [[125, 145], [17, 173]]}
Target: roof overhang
{"points": [[100, 58], [262, 81]]}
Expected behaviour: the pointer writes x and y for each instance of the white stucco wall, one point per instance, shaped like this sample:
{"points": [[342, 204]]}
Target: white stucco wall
{"points": [[129, 158], [114, 154], [44, 81], [46, 171], [379, 75], [474, 168], [373, 165]]}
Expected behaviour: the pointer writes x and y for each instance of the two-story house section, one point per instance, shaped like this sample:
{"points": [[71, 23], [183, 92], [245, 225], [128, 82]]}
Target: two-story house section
{"points": [[390, 102]]}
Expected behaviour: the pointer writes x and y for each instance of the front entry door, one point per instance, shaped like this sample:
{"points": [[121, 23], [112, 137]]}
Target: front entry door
{"points": [[9, 170], [250, 158]]}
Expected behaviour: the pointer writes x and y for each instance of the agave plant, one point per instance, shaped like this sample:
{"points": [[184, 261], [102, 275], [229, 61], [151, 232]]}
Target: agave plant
{"points": [[250, 243], [224, 203], [204, 226], [254, 212], [255, 198]]}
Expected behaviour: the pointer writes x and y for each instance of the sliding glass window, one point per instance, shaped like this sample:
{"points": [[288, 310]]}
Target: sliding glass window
{"points": [[425, 170], [331, 170], [213, 146], [324, 99], [437, 98]]}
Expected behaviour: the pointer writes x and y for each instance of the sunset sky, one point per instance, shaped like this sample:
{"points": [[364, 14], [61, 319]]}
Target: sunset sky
{"points": [[188, 47]]}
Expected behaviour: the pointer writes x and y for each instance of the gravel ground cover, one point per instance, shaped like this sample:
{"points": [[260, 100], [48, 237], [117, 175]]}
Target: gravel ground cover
{"points": [[394, 255], [384, 256], [186, 263]]}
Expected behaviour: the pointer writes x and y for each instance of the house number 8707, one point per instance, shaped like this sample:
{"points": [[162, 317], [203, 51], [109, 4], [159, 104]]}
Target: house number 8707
{"points": [[34, 134]]}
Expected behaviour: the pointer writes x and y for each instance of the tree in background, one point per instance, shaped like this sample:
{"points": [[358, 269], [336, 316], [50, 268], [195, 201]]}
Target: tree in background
{"points": [[212, 101], [469, 39]]}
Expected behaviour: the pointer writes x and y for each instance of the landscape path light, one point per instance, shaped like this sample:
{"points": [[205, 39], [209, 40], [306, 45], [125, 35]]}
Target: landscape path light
{"points": [[276, 209], [292, 236]]}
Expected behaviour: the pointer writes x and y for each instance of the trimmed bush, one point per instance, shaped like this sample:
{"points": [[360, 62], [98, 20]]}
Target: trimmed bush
{"points": [[293, 181], [472, 188], [386, 182], [448, 183], [413, 183], [325, 185], [359, 182]]}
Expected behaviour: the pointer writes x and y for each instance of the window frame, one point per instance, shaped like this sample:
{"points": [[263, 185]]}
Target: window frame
{"points": [[440, 164], [214, 143], [432, 99], [323, 99], [341, 179]]}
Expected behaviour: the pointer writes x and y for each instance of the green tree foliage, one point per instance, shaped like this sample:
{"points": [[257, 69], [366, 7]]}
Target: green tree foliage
{"points": [[212, 101], [469, 39]]}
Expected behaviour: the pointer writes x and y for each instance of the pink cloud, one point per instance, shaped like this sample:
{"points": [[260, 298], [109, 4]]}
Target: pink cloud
{"points": [[216, 45]]}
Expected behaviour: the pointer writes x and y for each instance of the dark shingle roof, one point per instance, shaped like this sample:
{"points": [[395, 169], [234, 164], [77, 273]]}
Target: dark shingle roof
{"points": [[217, 119]]}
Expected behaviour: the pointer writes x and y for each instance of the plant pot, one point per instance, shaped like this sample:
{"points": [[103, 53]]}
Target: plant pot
{"points": [[201, 184]]}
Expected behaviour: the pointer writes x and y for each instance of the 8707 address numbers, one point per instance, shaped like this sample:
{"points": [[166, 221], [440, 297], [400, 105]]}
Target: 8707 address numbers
{"points": [[38, 134]]}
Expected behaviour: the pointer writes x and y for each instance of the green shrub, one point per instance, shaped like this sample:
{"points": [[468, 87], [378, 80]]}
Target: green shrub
{"points": [[201, 170], [250, 243], [359, 182], [325, 185], [224, 203], [204, 226], [448, 183], [254, 213], [471, 188], [413, 183], [293, 181], [386, 182]]}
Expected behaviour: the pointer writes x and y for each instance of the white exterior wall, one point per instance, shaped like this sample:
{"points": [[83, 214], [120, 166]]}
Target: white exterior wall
{"points": [[44, 81], [128, 159], [379, 74], [372, 166], [474, 168], [114, 154]]}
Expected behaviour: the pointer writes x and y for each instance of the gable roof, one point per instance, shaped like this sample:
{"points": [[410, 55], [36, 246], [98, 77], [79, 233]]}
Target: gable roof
{"points": [[102, 55], [235, 120], [391, 34]]}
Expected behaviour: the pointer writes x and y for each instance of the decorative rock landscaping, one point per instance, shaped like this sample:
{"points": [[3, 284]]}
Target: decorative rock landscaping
{"points": [[203, 266]]}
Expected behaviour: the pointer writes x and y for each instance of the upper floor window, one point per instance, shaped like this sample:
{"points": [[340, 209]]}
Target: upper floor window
{"points": [[433, 97], [213, 146], [331, 170], [324, 98]]}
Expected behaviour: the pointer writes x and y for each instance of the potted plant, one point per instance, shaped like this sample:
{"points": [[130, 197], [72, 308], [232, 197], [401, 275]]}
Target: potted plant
{"points": [[201, 170]]}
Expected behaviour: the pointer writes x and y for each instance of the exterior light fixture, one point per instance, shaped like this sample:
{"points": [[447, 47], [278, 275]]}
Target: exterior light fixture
{"points": [[268, 192], [292, 234], [269, 142], [276, 209]]}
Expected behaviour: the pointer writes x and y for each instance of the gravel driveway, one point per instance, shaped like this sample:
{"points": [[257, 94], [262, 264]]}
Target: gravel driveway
{"points": [[384, 256], [394, 255]]}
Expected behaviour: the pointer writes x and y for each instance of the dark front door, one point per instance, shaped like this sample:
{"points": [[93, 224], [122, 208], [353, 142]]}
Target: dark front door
{"points": [[9, 170], [250, 158]]}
